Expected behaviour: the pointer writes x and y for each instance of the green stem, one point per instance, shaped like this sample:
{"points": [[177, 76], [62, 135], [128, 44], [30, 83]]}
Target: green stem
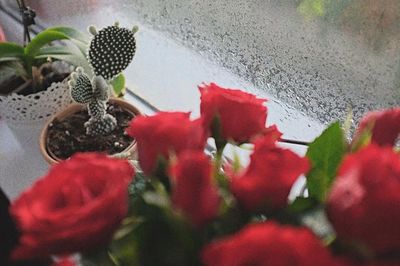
{"points": [[28, 65], [220, 177]]}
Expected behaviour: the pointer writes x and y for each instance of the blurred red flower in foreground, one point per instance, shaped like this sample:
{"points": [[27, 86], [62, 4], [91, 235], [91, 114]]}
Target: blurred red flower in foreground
{"points": [[385, 126], [268, 244], [77, 206], [364, 202]]}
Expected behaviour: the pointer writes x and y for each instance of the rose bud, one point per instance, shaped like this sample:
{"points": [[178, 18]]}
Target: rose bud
{"points": [[240, 115], [193, 190], [164, 133], [266, 183]]}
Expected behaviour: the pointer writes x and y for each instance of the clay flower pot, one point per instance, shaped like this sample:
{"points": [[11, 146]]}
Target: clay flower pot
{"points": [[51, 158]]}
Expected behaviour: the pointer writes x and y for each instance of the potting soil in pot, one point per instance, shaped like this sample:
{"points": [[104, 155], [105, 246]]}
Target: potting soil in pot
{"points": [[68, 136]]}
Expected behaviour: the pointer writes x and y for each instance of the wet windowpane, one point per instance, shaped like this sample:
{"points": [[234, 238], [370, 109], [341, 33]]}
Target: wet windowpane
{"points": [[315, 59]]}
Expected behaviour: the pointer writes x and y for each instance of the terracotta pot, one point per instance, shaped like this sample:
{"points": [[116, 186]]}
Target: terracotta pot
{"points": [[73, 108]]}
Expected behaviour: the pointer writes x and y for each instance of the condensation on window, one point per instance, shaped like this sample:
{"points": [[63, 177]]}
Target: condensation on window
{"points": [[322, 57]]}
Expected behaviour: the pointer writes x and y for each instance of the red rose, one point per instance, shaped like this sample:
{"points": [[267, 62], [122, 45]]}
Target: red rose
{"points": [[194, 192], [364, 202], [385, 126], [269, 177], [77, 206], [268, 244], [165, 132], [241, 115]]}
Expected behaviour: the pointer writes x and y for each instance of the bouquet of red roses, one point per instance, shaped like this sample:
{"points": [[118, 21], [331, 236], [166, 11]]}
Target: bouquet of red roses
{"points": [[185, 206]]}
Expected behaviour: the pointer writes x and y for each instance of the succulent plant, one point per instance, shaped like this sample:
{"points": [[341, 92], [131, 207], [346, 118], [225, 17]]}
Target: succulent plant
{"points": [[110, 52]]}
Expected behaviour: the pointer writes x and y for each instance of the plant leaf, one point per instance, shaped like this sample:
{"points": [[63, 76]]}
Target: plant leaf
{"points": [[118, 84], [71, 33], [301, 204], [54, 50], [80, 39], [123, 248], [68, 53], [9, 50], [325, 153], [362, 138], [7, 59], [138, 186], [43, 38], [74, 59]]}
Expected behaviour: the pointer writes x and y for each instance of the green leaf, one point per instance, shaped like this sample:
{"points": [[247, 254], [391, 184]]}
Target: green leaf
{"points": [[71, 33], [7, 59], [55, 50], [123, 248], [362, 140], [74, 59], [68, 53], [325, 153], [138, 186], [236, 164], [118, 84], [42, 39], [9, 50], [80, 39], [153, 198], [301, 204]]}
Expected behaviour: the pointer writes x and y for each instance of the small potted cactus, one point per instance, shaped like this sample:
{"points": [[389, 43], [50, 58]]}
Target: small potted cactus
{"points": [[96, 121]]}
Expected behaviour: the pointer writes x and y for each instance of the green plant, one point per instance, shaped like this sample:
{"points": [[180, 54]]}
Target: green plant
{"points": [[26, 60], [110, 51]]}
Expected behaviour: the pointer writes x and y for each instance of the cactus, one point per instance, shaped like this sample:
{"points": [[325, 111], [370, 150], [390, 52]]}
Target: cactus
{"points": [[110, 52]]}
